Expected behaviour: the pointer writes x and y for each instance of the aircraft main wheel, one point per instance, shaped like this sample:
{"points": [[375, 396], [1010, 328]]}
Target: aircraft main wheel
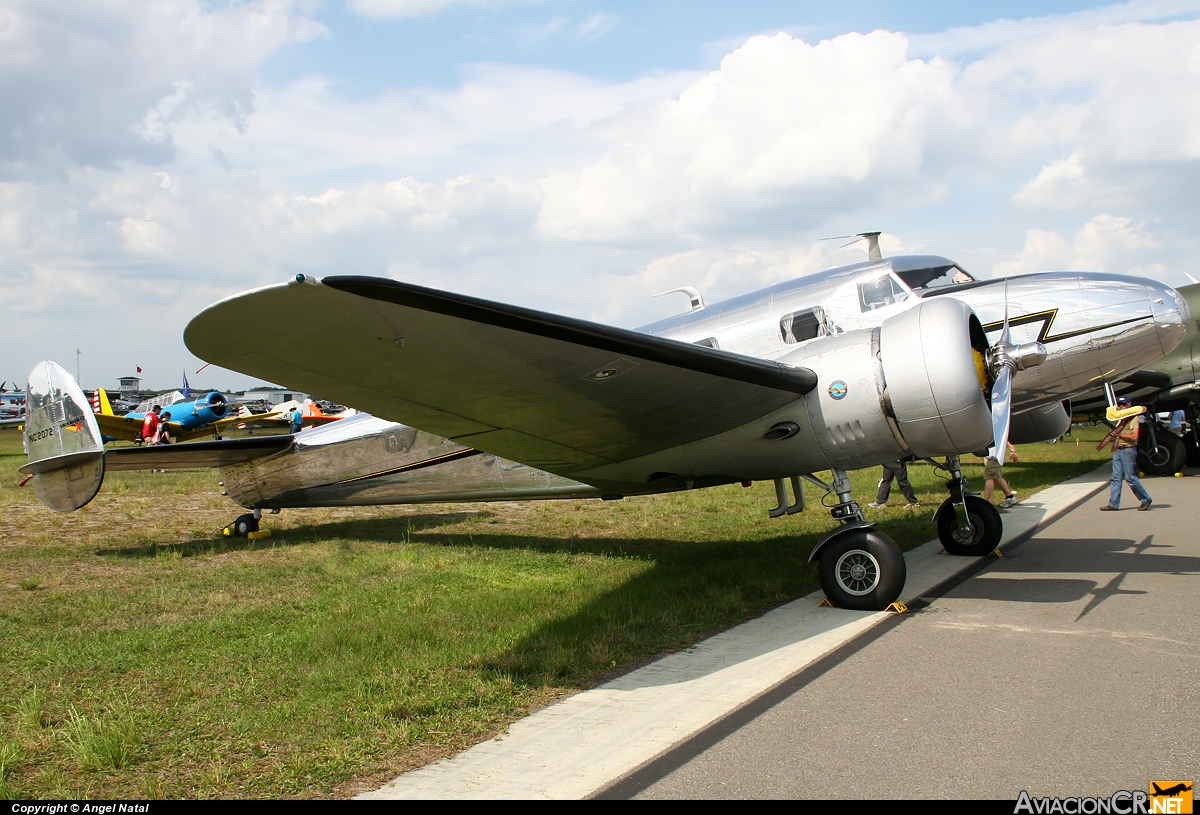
{"points": [[862, 570], [1166, 457], [986, 528], [244, 525], [1192, 444]]}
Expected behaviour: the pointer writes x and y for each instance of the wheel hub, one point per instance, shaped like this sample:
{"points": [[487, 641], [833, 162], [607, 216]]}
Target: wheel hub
{"points": [[969, 534], [857, 572]]}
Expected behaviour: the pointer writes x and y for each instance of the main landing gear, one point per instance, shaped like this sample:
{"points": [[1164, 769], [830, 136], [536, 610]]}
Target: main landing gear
{"points": [[859, 567], [244, 524], [966, 524]]}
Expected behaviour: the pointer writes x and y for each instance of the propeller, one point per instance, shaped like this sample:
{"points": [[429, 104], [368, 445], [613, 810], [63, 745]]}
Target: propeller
{"points": [[1005, 359], [1003, 366]]}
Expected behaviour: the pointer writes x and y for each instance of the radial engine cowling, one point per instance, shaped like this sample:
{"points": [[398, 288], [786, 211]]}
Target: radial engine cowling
{"points": [[913, 386]]}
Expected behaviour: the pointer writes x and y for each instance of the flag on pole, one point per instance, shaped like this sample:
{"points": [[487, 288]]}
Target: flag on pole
{"points": [[187, 389], [139, 369]]}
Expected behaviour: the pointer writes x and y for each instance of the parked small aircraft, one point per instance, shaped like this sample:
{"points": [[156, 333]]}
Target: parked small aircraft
{"points": [[840, 370], [209, 416], [12, 405]]}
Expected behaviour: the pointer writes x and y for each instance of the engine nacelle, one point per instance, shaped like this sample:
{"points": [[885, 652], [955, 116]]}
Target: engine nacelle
{"points": [[914, 386], [1040, 424]]}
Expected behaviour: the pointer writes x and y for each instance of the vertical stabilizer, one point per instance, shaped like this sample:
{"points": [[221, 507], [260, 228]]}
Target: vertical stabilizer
{"points": [[100, 403], [62, 440]]}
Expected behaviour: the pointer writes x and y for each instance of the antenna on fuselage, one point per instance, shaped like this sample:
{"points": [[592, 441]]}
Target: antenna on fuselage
{"points": [[872, 238], [693, 295]]}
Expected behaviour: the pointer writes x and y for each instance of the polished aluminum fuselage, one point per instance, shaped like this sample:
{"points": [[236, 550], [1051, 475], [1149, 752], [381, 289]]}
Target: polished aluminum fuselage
{"points": [[1095, 327], [365, 460]]}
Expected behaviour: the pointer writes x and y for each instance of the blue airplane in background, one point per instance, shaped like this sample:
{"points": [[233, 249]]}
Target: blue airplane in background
{"points": [[207, 416]]}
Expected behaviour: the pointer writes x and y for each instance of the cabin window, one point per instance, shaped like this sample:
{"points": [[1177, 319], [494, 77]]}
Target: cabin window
{"points": [[935, 277], [880, 292], [708, 342], [803, 325]]}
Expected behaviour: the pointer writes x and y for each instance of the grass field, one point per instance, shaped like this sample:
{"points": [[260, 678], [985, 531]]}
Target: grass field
{"points": [[144, 655]]}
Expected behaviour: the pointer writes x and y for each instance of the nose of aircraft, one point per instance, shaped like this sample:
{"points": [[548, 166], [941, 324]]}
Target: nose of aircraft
{"points": [[1171, 314]]}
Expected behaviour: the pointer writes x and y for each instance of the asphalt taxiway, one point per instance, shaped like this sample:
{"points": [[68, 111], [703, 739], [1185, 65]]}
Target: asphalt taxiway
{"points": [[1067, 667]]}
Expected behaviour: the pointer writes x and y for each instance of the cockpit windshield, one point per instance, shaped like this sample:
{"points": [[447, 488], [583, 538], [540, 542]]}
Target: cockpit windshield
{"points": [[935, 277]]}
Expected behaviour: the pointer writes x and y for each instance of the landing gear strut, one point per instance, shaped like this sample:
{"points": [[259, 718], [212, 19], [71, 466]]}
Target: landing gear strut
{"points": [[966, 524], [859, 567]]}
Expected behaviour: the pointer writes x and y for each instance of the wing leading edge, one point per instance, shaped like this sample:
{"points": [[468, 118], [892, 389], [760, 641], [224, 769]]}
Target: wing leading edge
{"points": [[556, 393]]}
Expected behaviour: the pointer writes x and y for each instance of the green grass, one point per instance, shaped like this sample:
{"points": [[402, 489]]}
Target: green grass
{"points": [[157, 658]]}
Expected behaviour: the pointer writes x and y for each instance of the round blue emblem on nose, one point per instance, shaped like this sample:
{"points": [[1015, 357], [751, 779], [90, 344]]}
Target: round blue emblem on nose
{"points": [[838, 390]]}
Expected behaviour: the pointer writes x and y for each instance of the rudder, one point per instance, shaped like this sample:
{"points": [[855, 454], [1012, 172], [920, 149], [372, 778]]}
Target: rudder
{"points": [[62, 440]]}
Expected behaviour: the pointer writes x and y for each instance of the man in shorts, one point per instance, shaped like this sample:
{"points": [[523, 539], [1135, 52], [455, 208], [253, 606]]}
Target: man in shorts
{"points": [[992, 474]]}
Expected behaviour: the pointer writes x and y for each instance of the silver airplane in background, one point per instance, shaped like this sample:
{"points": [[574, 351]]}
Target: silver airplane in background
{"points": [[902, 357]]}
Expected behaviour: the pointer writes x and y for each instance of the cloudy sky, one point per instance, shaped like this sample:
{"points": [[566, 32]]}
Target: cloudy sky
{"points": [[567, 155]]}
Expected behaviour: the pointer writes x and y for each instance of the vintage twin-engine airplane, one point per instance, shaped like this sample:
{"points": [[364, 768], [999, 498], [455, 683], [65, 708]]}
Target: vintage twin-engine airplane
{"points": [[839, 370]]}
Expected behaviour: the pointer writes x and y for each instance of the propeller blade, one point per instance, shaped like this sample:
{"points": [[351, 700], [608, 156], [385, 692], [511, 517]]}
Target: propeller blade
{"points": [[1002, 390], [1001, 411]]}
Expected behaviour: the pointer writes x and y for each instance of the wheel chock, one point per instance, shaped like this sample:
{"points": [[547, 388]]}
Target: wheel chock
{"points": [[227, 532], [897, 607], [262, 533], [995, 553], [825, 602]]}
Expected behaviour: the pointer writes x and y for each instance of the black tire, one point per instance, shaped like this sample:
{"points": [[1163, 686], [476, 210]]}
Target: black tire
{"points": [[862, 570], [986, 528], [1167, 457], [1192, 446], [244, 525]]}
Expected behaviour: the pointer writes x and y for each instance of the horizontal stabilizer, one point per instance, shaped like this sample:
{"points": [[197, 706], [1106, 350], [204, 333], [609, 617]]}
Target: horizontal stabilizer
{"points": [[197, 455], [62, 462]]}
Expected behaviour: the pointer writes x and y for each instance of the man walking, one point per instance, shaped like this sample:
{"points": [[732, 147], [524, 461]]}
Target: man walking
{"points": [[993, 476], [1124, 466], [897, 470]]}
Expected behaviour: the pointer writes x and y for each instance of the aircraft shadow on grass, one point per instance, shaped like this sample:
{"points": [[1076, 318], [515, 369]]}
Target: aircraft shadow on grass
{"points": [[359, 529], [689, 589], [685, 595]]}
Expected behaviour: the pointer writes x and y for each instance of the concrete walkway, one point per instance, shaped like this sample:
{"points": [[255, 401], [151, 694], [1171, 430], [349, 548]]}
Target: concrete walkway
{"points": [[582, 744]]}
